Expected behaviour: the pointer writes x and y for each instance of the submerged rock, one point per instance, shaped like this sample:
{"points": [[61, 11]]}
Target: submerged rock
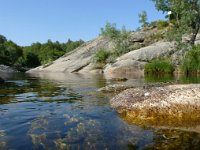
{"points": [[114, 88], [174, 105]]}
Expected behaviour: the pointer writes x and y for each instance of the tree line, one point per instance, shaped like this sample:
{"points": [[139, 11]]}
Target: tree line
{"points": [[34, 55]]}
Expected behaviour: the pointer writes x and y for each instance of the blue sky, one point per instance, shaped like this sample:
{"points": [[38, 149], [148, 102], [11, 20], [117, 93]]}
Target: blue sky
{"points": [[29, 21]]}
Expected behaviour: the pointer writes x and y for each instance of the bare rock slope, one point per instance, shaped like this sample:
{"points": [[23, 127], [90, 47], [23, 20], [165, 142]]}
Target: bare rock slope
{"points": [[76, 60], [80, 59]]}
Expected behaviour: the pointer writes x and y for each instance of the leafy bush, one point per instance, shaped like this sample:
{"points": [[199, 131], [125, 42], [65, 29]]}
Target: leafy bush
{"points": [[161, 24], [110, 31], [122, 43], [159, 67], [101, 56], [9, 51], [119, 37], [191, 62]]}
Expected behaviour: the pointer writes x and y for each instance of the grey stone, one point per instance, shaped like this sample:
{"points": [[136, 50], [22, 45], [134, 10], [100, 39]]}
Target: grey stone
{"points": [[134, 61]]}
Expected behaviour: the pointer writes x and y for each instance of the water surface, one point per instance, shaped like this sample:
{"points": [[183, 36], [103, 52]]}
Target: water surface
{"points": [[60, 111]]}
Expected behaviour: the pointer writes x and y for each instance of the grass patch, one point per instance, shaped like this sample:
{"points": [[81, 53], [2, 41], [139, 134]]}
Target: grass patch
{"points": [[162, 24], [191, 62], [159, 67]]}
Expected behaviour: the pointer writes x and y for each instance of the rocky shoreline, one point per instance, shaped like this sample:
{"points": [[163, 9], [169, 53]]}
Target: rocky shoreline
{"points": [[172, 105]]}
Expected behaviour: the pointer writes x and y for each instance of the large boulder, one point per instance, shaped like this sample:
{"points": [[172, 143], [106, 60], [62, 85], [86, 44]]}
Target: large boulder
{"points": [[134, 61], [78, 59], [177, 105]]}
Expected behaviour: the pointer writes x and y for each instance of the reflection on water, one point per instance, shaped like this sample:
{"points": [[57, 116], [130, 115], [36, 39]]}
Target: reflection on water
{"points": [[168, 78], [64, 112]]}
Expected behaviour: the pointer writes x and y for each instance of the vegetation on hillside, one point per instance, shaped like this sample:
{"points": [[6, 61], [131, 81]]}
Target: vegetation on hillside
{"points": [[101, 56], [191, 62], [159, 67], [184, 14], [184, 19], [120, 39]]}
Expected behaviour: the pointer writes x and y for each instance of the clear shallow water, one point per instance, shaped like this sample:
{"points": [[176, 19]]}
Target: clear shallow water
{"points": [[58, 111]]}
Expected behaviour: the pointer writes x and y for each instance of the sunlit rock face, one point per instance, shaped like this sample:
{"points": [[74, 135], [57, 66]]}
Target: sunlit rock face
{"points": [[174, 105], [78, 60], [133, 62]]}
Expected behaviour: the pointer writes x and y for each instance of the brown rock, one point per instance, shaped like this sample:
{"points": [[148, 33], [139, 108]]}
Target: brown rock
{"points": [[176, 105]]}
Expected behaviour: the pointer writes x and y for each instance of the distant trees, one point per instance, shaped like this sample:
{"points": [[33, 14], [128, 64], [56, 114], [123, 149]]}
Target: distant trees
{"points": [[71, 45], [186, 14], [48, 52], [34, 55], [9, 51]]}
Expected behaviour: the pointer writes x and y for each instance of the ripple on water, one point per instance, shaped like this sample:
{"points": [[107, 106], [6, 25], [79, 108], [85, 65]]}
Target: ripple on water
{"points": [[43, 114]]}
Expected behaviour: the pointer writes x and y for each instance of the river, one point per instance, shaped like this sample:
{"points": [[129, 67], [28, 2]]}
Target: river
{"points": [[65, 112]]}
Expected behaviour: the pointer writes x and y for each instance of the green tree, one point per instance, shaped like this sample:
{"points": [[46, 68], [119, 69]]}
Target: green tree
{"points": [[143, 18], [110, 30], [2, 39], [9, 51], [13, 51], [120, 38], [71, 45], [34, 55], [186, 14], [32, 60], [48, 51]]}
